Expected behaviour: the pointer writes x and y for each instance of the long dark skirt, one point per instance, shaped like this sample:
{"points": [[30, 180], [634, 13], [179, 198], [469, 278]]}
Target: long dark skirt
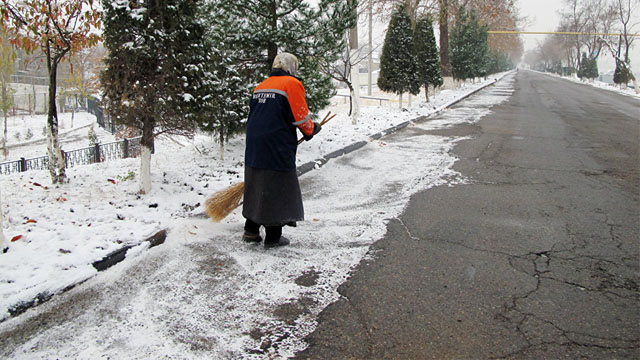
{"points": [[272, 198]]}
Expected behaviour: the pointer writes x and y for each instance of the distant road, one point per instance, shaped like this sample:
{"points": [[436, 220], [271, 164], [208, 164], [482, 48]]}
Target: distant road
{"points": [[536, 257]]}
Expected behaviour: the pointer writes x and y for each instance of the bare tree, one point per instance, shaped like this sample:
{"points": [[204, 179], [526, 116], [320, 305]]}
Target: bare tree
{"points": [[626, 11]]}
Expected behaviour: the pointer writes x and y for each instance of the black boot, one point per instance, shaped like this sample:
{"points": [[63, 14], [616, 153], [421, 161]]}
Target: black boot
{"points": [[274, 237], [251, 238], [251, 232], [283, 241]]}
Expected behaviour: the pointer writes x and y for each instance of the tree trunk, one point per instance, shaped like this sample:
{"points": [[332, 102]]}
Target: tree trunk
{"points": [[4, 138], [400, 101], [221, 136], [146, 147], [35, 98], [272, 47], [3, 244], [350, 98], [426, 91], [370, 57], [355, 73], [56, 159]]}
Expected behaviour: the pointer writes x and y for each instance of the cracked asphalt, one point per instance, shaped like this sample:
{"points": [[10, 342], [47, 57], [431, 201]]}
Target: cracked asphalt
{"points": [[536, 257]]}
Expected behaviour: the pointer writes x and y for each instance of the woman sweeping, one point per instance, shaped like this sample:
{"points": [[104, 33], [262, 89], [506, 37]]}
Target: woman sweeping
{"points": [[272, 195]]}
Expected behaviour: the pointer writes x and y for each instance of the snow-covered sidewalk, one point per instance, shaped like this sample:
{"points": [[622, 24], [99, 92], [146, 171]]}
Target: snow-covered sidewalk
{"points": [[66, 228], [595, 83]]}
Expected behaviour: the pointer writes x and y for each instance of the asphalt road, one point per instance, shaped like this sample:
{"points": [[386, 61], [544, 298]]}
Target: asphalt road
{"points": [[537, 256]]}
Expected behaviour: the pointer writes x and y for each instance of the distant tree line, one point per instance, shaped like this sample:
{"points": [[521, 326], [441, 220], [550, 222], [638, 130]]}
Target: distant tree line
{"points": [[578, 54]]}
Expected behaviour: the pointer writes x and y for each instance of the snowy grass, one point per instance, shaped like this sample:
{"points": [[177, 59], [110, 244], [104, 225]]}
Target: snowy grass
{"points": [[67, 227]]}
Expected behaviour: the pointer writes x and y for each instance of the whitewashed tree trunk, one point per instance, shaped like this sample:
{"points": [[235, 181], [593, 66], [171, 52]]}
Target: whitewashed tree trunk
{"points": [[355, 74], [57, 171], [145, 170], [5, 152], [355, 94], [400, 101], [409, 102], [3, 244], [370, 75]]}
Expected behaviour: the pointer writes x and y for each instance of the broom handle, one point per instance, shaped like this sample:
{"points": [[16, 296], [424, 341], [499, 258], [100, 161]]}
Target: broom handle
{"points": [[324, 121]]}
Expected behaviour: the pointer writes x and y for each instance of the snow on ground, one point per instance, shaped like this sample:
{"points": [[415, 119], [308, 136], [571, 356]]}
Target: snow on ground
{"points": [[595, 83], [204, 293]]}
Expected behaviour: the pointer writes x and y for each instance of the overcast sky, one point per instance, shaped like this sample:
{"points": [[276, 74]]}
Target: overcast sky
{"points": [[542, 15]]}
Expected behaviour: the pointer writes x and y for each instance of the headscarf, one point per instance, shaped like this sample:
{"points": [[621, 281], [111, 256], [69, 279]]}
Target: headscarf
{"points": [[287, 62]]}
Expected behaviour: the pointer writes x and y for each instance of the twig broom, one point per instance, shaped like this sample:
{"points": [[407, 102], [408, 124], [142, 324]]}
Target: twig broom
{"points": [[223, 202]]}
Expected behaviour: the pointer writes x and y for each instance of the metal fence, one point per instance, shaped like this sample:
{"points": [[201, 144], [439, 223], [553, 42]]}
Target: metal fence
{"points": [[104, 120], [363, 97], [90, 155]]}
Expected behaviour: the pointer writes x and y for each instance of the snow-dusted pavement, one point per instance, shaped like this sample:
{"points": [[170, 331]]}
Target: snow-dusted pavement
{"points": [[205, 294]]}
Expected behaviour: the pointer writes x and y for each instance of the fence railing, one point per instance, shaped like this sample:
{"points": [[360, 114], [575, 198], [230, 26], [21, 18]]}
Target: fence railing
{"points": [[363, 97], [104, 120], [90, 155]]}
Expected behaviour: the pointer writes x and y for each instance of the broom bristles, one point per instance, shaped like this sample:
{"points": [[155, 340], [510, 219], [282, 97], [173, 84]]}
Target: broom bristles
{"points": [[222, 203]]}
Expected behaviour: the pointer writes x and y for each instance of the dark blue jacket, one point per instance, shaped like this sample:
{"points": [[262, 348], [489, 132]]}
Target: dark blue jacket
{"points": [[277, 107]]}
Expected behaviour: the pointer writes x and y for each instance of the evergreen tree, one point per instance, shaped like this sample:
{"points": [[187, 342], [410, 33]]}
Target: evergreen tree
{"points": [[427, 55], [461, 47], [593, 69], [583, 68], [156, 78], [622, 75], [481, 45], [498, 62], [260, 31], [469, 47], [398, 65], [227, 106]]}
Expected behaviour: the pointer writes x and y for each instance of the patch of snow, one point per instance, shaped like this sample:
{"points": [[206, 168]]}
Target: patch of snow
{"points": [[204, 293]]}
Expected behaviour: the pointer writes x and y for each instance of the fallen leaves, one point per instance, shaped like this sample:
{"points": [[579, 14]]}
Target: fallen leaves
{"points": [[16, 238]]}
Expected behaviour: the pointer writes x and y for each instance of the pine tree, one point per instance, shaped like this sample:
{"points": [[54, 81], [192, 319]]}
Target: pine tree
{"points": [[469, 47], [227, 106], [461, 47], [622, 75], [583, 68], [427, 55], [398, 65], [481, 54], [268, 27], [593, 68], [156, 77]]}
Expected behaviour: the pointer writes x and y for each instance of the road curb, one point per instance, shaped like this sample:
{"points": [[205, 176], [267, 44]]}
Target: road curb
{"points": [[318, 163], [106, 262]]}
